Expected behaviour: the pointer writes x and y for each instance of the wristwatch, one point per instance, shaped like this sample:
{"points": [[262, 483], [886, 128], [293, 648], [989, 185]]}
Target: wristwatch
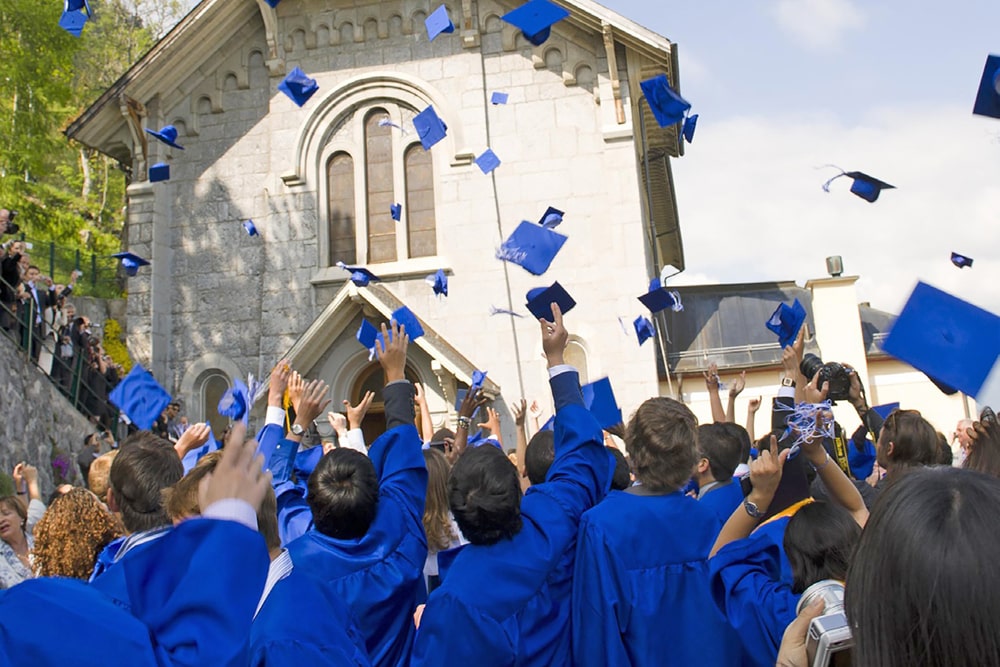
{"points": [[787, 382], [297, 429], [752, 509]]}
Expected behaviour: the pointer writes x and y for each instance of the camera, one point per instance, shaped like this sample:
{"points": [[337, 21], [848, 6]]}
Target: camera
{"points": [[829, 641], [832, 373], [11, 227]]}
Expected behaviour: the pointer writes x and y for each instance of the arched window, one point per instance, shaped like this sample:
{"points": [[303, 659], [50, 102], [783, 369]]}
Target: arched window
{"points": [[420, 226], [379, 186], [341, 211], [576, 356], [213, 385]]}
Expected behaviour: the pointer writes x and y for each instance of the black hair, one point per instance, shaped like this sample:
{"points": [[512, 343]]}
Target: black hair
{"points": [[722, 449], [539, 455], [819, 541], [743, 436], [623, 475], [919, 589], [484, 494], [145, 466], [343, 494]]}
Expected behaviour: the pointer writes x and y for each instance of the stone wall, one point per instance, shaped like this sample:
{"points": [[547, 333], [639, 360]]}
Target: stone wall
{"points": [[37, 422]]}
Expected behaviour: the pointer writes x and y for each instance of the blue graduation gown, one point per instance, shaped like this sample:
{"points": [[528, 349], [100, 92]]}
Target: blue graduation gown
{"points": [[380, 575], [748, 585], [641, 588], [509, 603], [321, 630], [722, 500]]}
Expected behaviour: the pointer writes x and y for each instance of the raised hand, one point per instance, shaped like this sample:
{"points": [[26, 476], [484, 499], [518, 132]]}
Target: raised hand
{"points": [[418, 393], [815, 393], [193, 437], [492, 421], [239, 474], [356, 413], [519, 410], [311, 403], [554, 337], [712, 377], [338, 422], [296, 385], [471, 403], [391, 352], [738, 385], [754, 404], [765, 474], [277, 383]]}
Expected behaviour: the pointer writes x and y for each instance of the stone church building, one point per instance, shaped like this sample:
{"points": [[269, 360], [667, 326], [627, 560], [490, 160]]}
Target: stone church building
{"points": [[318, 182]]}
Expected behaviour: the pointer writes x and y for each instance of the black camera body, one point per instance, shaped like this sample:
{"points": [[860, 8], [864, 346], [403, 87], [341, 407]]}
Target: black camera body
{"points": [[11, 227], [832, 373]]}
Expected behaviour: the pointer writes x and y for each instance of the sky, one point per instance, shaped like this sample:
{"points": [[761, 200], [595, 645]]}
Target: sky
{"points": [[880, 86]]}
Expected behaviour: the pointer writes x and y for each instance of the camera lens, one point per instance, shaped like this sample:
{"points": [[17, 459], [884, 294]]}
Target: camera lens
{"points": [[810, 364], [829, 590]]}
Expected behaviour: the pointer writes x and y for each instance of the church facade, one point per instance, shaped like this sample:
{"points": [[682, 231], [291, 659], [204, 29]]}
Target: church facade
{"points": [[318, 182]]}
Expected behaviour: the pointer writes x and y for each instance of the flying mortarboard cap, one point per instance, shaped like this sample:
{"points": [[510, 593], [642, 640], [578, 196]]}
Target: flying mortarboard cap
{"points": [[438, 22], [884, 411], [140, 397], [73, 22], [478, 378], [540, 301], [488, 161], [404, 317], [988, 97], [786, 322], [272, 3], [864, 186], [159, 172], [690, 123], [643, 329], [499, 98], [439, 282], [658, 298], [430, 128], [599, 398], [532, 247], [396, 211], [360, 276], [951, 341], [535, 19], [131, 262], [168, 135], [250, 228], [298, 86], [235, 402], [367, 334], [551, 218], [961, 261], [667, 106]]}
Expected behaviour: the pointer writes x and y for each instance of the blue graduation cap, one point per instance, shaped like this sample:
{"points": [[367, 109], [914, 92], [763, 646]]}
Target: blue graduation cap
{"points": [[159, 172], [599, 398], [861, 461], [667, 106], [786, 322], [540, 301], [988, 97], [865, 186], [535, 19], [658, 298], [488, 161], [438, 22], [298, 86], [430, 128], [396, 211], [131, 262], [360, 276], [499, 98], [235, 402], [168, 135], [272, 3], [478, 378], [250, 228], [961, 261], [643, 329], [951, 341], [404, 317], [74, 17], [690, 123], [140, 397], [367, 335], [531, 247], [439, 282], [884, 411], [551, 218]]}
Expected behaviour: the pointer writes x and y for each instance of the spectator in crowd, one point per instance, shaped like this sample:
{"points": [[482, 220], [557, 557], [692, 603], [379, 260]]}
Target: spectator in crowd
{"points": [[99, 473], [962, 438], [905, 441], [439, 524], [73, 531], [91, 450], [718, 453], [984, 445], [538, 456], [10, 281]]}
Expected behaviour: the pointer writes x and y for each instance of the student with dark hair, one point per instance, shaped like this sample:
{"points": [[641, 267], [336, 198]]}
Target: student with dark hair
{"points": [[907, 440], [539, 455], [642, 557], [506, 597], [366, 546], [945, 455], [919, 590], [623, 474], [719, 450], [984, 445]]}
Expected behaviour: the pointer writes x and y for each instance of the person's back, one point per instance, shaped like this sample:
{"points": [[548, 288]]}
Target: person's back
{"points": [[506, 598], [641, 587]]}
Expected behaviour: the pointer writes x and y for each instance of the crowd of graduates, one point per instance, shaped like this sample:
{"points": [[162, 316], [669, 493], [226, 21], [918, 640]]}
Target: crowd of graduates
{"points": [[695, 545]]}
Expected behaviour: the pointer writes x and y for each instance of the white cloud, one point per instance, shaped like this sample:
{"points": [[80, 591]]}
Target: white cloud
{"points": [[752, 208], [817, 24]]}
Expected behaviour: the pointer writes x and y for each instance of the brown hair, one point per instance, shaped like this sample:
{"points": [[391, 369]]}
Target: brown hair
{"points": [[146, 465], [437, 519], [15, 504], [914, 440], [71, 534], [662, 444], [984, 451], [181, 500], [99, 472]]}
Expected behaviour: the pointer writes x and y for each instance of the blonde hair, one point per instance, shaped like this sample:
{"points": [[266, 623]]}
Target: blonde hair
{"points": [[99, 472]]}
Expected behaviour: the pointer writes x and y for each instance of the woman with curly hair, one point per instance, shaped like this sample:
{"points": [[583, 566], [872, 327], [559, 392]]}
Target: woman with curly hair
{"points": [[440, 527], [71, 534]]}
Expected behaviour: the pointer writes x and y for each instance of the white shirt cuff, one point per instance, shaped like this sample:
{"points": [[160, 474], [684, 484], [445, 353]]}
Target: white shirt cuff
{"points": [[355, 439], [786, 392], [275, 415], [232, 509], [560, 369]]}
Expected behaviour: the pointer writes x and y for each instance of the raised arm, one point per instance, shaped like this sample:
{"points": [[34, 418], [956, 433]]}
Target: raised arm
{"points": [[712, 385], [841, 489], [752, 407], [520, 410], [734, 390], [765, 474], [426, 425]]}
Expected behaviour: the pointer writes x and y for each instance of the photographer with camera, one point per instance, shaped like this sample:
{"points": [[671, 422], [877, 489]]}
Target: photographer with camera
{"points": [[10, 279]]}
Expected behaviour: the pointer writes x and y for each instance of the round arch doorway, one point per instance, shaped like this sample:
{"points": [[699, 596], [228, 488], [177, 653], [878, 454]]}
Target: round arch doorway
{"points": [[371, 378]]}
